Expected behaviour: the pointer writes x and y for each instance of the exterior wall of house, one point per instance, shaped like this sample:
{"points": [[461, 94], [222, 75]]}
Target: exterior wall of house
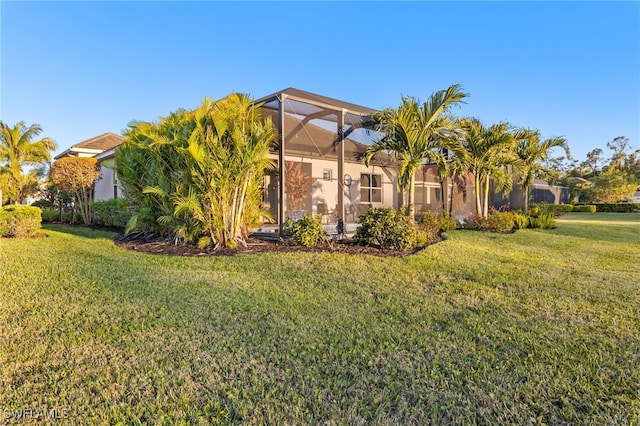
{"points": [[106, 187], [373, 186]]}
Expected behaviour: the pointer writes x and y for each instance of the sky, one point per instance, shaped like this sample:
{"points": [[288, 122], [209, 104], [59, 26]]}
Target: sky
{"points": [[80, 69]]}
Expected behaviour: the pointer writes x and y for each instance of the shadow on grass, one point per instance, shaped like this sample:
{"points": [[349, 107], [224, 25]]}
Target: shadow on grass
{"points": [[80, 231]]}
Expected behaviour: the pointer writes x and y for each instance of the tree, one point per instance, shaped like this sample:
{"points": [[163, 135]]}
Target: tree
{"points": [[614, 185], [76, 175], [619, 146], [416, 132], [489, 150], [593, 158], [530, 152], [451, 165], [197, 174], [19, 149]]}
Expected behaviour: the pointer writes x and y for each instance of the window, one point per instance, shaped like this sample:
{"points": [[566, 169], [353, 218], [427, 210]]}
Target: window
{"points": [[326, 174], [370, 188]]}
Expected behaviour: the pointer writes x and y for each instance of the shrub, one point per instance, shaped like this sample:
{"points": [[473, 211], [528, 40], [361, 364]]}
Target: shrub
{"points": [[537, 209], [563, 208], [587, 208], [19, 221], [520, 221], [307, 232], [448, 223], [501, 222], [422, 238], [50, 215], [114, 212], [542, 221], [386, 228], [431, 224], [618, 207], [475, 221]]}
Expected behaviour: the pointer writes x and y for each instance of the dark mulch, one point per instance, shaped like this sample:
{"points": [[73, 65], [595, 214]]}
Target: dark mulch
{"points": [[153, 244]]}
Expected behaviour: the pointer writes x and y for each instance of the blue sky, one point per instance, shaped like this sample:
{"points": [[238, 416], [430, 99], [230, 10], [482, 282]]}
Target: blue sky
{"points": [[80, 69]]}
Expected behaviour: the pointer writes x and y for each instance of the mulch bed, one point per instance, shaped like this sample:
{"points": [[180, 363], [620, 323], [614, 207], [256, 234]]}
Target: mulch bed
{"points": [[153, 244]]}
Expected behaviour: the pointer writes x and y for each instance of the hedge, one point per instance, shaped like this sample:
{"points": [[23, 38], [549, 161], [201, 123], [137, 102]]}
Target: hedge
{"points": [[19, 221], [587, 208], [115, 212], [618, 207]]}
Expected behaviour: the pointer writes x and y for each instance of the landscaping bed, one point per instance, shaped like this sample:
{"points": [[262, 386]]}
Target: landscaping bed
{"points": [[153, 244]]}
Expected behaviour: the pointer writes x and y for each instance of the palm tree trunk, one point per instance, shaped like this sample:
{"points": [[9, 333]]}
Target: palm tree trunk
{"points": [[478, 190], [525, 189], [412, 208], [485, 212], [453, 193], [444, 194]]}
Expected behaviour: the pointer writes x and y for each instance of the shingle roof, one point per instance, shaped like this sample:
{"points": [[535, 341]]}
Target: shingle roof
{"points": [[103, 142]]}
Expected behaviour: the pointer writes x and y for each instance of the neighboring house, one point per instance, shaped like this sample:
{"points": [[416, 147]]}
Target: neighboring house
{"points": [[103, 149]]}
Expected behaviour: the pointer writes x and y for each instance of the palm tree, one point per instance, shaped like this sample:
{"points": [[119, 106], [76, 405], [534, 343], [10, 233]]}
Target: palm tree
{"points": [[18, 148], [530, 153], [490, 150], [416, 132], [452, 164]]}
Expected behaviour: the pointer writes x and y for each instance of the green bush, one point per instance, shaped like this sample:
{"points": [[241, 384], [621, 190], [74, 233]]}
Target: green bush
{"points": [[586, 208], [542, 221], [448, 223], [19, 221], [431, 224], [422, 238], [114, 212], [618, 207], [67, 216], [307, 232], [501, 222], [385, 227], [50, 215], [564, 208], [520, 221]]}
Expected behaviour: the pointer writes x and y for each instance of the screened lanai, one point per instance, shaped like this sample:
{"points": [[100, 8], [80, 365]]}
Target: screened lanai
{"points": [[319, 167]]}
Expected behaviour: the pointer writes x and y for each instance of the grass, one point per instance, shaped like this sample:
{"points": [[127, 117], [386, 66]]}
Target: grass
{"points": [[536, 327]]}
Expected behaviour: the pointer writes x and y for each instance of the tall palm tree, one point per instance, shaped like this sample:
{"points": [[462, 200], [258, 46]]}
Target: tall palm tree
{"points": [[490, 150], [530, 153], [19, 148], [415, 132], [454, 166]]}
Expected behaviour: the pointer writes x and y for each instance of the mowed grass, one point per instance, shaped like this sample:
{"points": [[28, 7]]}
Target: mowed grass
{"points": [[536, 327]]}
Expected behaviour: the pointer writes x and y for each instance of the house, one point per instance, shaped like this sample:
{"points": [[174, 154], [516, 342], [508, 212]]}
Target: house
{"points": [[319, 168], [103, 149]]}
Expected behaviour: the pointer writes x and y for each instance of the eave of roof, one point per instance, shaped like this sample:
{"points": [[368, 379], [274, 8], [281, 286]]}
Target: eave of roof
{"points": [[315, 99]]}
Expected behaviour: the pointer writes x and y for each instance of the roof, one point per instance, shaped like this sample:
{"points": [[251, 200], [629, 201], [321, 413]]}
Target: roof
{"points": [[310, 140], [319, 100], [102, 142], [94, 146], [542, 182]]}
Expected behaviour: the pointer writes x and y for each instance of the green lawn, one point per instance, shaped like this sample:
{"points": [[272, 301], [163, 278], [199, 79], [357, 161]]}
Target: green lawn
{"points": [[528, 328]]}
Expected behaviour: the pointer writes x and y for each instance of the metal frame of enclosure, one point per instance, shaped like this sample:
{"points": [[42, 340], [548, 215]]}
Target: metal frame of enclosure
{"points": [[318, 135]]}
